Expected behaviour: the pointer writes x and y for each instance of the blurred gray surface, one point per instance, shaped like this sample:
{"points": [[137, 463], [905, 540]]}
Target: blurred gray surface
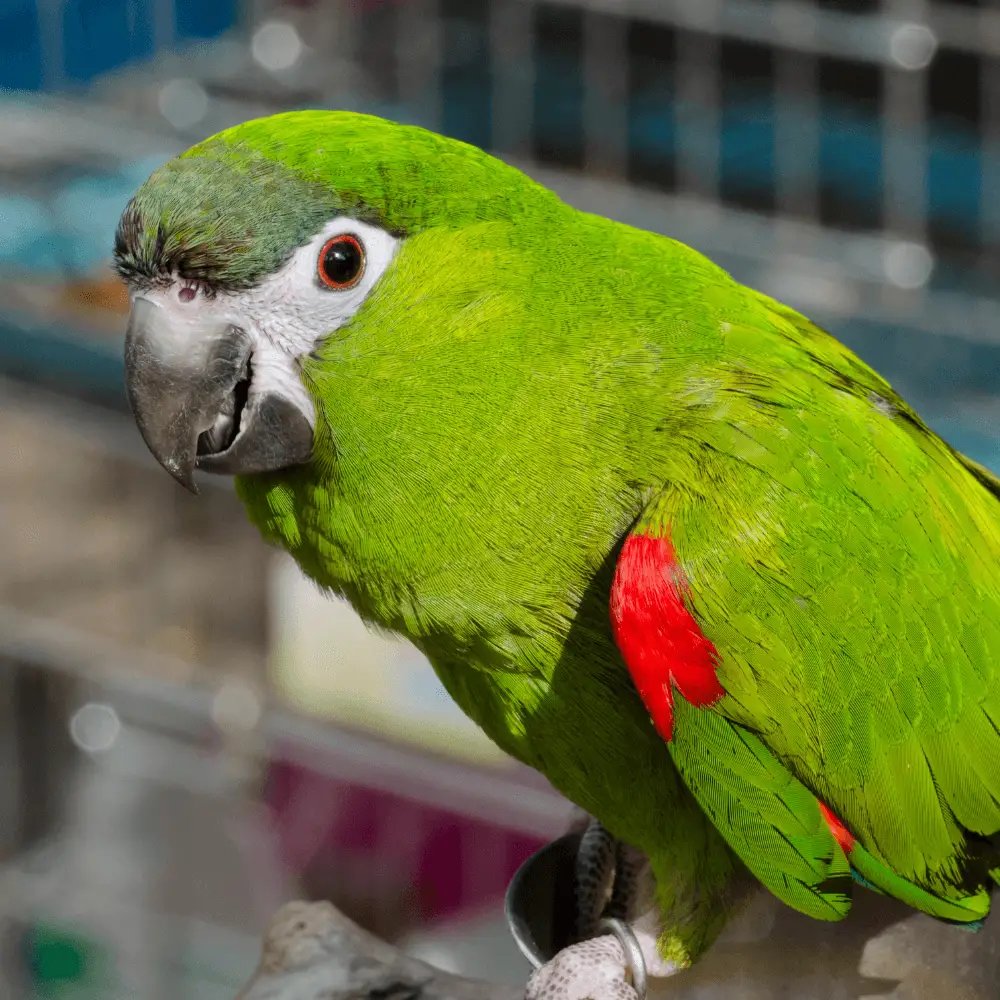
{"points": [[769, 953]]}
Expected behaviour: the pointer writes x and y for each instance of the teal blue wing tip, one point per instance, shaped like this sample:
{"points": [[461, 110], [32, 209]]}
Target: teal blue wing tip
{"points": [[975, 926], [861, 880]]}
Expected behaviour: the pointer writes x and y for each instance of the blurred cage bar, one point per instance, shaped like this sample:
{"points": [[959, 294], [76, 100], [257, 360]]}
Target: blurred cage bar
{"points": [[841, 154]]}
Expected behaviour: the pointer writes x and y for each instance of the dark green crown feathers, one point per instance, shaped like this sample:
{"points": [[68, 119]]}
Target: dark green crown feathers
{"points": [[233, 208]]}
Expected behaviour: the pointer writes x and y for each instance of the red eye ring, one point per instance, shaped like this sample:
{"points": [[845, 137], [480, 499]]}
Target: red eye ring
{"points": [[341, 262]]}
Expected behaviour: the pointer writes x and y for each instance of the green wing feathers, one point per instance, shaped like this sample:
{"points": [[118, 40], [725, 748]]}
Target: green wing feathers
{"points": [[844, 564], [765, 814]]}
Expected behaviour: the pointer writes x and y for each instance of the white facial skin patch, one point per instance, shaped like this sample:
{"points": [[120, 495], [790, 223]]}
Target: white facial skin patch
{"points": [[289, 312]]}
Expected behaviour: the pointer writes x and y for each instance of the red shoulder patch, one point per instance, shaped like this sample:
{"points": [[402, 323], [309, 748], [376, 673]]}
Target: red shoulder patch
{"points": [[841, 834], [661, 642]]}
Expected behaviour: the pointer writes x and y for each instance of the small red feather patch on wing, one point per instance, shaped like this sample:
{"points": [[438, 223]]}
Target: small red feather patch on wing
{"points": [[841, 834], [659, 638]]}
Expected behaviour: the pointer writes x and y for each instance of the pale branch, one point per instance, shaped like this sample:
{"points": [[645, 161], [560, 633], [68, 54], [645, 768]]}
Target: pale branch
{"points": [[313, 952]]}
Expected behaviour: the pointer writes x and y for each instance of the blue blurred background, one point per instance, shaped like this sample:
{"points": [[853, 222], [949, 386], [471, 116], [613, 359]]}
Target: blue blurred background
{"points": [[170, 719]]}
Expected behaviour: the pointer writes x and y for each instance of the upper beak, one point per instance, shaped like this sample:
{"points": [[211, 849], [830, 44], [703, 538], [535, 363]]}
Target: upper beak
{"points": [[184, 385]]}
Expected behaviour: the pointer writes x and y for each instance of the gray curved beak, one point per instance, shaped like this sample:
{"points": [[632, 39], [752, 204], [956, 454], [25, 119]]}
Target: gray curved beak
{"points": [[190, 390]]}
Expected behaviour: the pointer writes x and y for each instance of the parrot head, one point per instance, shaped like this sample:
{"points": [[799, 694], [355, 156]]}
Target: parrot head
{"points": [[248, 252]]}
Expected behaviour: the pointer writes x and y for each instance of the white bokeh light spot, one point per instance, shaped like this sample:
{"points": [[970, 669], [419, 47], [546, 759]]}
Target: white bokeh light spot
{"points": [[183, 103], [95, 727], [913, 46], [276, 45], [907, 265]]}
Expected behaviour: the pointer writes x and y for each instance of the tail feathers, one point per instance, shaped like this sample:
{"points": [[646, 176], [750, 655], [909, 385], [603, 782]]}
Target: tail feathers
{"points": [[967, 904], [968, 909]]}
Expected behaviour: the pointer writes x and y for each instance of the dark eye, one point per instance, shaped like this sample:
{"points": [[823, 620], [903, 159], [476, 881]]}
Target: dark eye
{"points": [[341, 262]]}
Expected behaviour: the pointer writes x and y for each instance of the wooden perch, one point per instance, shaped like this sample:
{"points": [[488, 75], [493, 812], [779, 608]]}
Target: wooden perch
{"points": [[313, 952]]}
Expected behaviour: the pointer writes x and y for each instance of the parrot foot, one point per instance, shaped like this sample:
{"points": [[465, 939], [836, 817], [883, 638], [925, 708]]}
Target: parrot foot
{"points": [[594, 875], [616, 920], [607, 877], [591, 970], [614, 966]]}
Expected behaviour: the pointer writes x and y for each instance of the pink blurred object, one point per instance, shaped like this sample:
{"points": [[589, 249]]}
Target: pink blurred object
{"points": [[396, 851]]}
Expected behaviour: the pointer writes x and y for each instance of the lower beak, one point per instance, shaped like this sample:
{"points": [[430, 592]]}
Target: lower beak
{"points": [[191, 391]]}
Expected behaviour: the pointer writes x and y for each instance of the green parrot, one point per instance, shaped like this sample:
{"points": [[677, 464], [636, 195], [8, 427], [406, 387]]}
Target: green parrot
{"points": [[660, 536]]}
